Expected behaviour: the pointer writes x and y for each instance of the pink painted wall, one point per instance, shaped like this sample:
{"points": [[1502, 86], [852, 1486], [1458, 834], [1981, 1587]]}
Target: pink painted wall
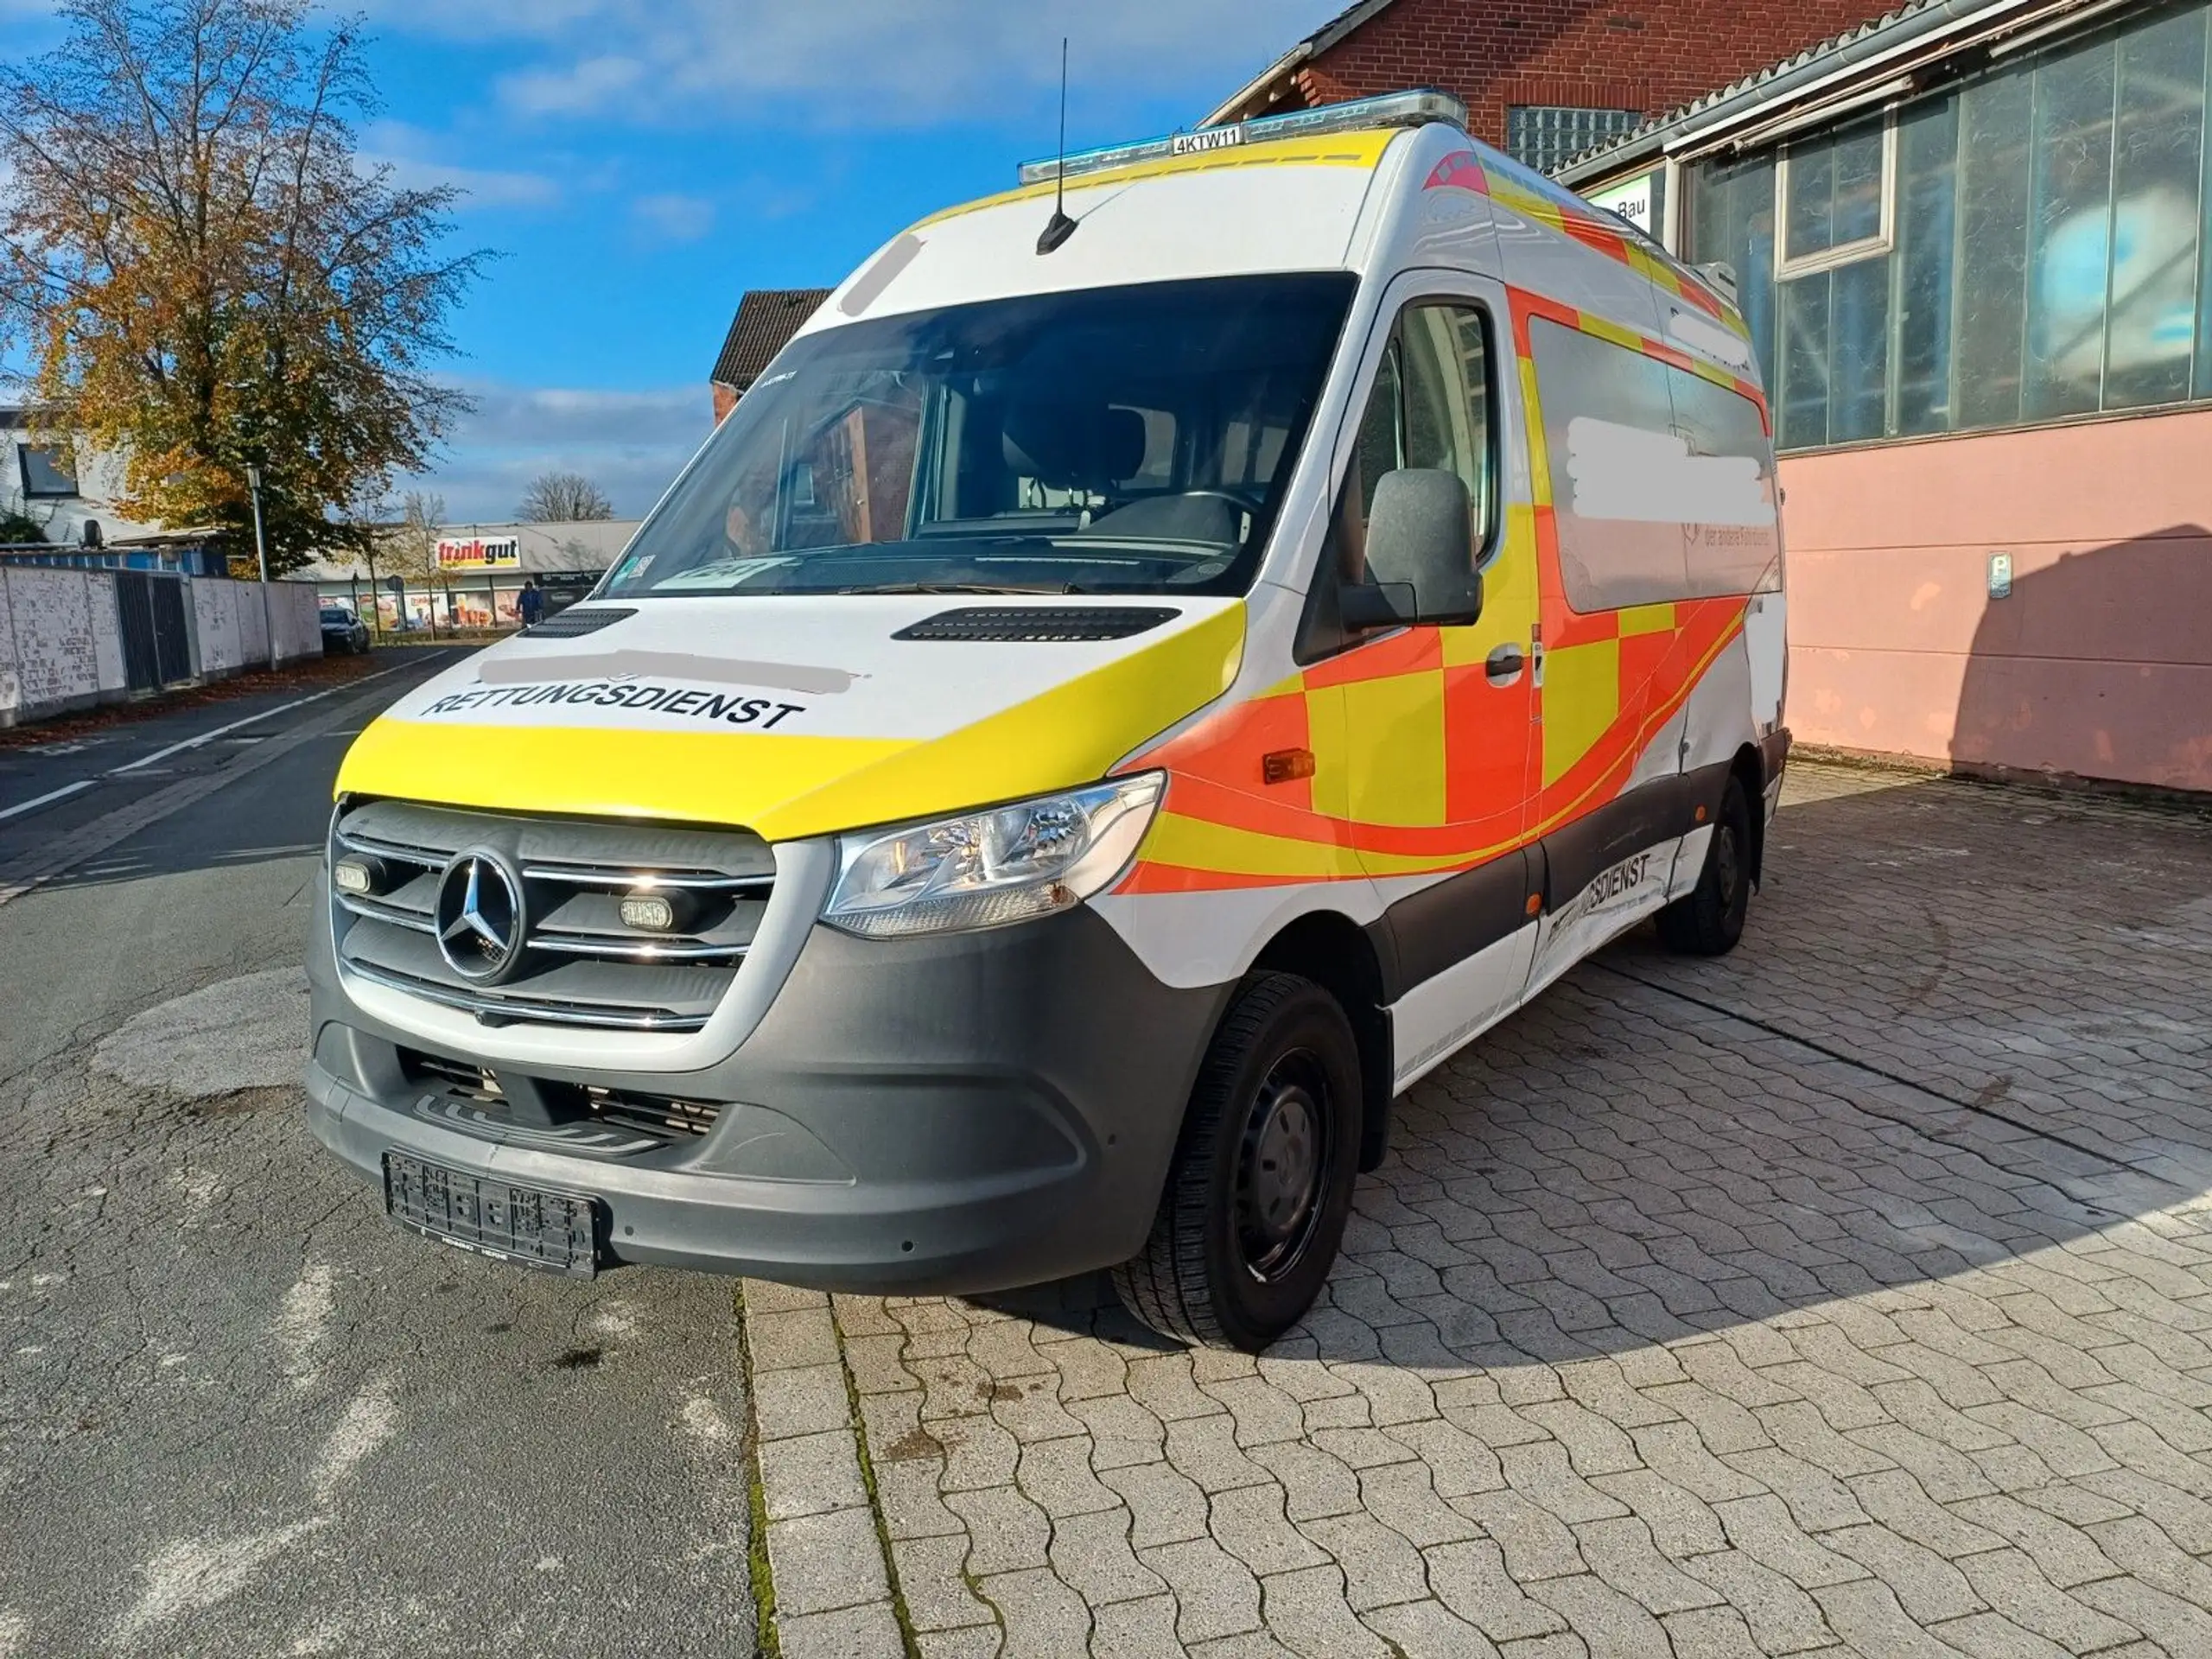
{"points": [[2099, 663]]}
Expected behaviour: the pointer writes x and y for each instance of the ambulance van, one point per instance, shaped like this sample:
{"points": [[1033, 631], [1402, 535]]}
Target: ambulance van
{"points": [[1164, 657]]}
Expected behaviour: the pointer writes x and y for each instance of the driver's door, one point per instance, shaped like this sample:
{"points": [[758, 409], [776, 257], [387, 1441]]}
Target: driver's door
{"points": [[1439, 735]]}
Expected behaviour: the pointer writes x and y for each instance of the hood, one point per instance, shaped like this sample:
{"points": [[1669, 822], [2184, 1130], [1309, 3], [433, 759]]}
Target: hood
{"points": [[799, 716]]}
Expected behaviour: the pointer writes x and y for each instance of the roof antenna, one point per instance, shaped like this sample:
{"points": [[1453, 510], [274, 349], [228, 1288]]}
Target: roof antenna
{"points": [[1059, 227]]}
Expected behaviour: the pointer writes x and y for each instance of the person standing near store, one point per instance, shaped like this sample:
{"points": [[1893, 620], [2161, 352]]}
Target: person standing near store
{"points": [[530, 604]]}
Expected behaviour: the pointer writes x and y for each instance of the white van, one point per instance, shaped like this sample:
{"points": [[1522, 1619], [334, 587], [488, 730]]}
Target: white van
{"points": [[1130, 690]]}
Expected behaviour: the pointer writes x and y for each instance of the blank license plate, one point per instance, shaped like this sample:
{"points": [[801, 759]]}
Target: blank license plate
{"points": [[555, 1231]]}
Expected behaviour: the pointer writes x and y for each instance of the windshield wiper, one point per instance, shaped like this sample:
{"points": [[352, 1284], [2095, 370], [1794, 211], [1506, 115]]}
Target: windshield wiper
{"points": [[963, 587]]}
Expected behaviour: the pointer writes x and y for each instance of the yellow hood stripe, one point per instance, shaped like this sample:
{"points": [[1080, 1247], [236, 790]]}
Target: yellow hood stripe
{"points": [[786, 786]]}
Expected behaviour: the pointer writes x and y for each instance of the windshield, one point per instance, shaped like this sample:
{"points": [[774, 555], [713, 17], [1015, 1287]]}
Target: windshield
{"points": [[1121, 440]]}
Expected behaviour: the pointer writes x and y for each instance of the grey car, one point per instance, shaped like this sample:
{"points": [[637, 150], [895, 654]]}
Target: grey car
{"points": [[343, 630]]}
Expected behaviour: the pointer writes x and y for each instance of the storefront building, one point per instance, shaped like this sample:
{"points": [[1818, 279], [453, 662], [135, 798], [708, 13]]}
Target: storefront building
{"points": [[471, 575], [1974, 243]]}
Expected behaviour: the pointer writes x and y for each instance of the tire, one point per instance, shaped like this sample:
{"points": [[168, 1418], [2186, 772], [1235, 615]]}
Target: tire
{"points": [[1707, 920], [1256, 1197]]}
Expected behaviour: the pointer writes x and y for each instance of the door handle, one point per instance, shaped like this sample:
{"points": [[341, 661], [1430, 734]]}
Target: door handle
{"points": [[1503, 665]]}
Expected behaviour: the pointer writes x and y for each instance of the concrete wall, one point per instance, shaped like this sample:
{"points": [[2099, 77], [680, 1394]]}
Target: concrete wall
{"points": [[61, 637], [60, 647], [2099, 663], [294, 621]]}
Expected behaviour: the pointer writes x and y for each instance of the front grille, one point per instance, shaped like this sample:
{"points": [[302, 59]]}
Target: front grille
{"points": [[578, 963]]}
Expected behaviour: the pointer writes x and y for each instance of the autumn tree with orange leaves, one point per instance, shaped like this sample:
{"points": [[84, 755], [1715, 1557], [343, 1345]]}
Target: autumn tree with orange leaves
{"points": [[202, 274]]}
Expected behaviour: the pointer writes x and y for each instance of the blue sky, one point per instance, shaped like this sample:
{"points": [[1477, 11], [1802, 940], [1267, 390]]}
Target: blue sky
{"points": [[639, 163]]}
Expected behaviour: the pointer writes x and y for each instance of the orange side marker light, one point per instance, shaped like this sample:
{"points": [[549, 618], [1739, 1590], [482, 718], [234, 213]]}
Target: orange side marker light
{"points": [[1700, 814], [1536, 903], [1286, 766]]}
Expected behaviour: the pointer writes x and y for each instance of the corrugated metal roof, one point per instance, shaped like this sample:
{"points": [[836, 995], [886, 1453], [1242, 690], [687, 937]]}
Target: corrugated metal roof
{"points": [[1833, 44], [765, 321]]}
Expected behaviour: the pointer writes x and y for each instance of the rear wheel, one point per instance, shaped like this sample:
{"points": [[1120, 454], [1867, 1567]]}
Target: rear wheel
{"points": [[1255, 1201], [1707, 920]]}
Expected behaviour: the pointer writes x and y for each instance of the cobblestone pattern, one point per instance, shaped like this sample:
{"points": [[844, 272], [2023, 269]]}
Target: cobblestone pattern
{"points": [[1850, 1293]]}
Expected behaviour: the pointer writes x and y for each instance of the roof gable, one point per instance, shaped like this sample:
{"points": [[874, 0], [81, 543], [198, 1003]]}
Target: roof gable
{"points": [[765, 321]]}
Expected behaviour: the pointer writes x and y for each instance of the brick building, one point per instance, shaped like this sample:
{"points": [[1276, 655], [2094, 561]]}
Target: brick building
{"points": [[1544, 79], [765, 321]]}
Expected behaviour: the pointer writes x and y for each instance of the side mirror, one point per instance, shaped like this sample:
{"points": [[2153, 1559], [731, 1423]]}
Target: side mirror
{"points": [[1421, 553]]}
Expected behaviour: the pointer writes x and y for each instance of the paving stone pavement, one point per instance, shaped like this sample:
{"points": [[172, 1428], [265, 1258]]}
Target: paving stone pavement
{"points": [[1852, 1292]]}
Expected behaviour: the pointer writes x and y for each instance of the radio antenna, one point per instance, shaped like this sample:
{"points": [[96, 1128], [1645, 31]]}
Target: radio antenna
{"points": [[1059, 227]]}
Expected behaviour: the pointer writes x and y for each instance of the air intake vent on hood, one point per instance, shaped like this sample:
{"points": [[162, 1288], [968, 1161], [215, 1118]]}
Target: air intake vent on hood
{"points": [[569, 624], [1028, 626]]}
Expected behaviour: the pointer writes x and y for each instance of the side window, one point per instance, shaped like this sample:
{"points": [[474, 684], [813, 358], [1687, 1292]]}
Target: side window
{"points": [[1447, 400], [1430, 407], [1381, 430], [1663, 484]]}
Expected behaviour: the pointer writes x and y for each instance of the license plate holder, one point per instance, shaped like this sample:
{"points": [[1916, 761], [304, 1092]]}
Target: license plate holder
{"points": [[488, 1215]]}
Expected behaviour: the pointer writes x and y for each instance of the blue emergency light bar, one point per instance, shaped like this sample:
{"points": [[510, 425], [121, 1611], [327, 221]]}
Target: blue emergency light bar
{"points": [[1415, 109]]}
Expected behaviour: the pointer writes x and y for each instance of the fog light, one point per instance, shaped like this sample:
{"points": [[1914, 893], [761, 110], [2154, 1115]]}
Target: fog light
{"points": [[357, 875], [651, 912]]}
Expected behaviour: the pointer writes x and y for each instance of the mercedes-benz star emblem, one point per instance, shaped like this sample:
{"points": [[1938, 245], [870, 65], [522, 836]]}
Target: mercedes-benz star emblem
{"points": [[480, 920]]}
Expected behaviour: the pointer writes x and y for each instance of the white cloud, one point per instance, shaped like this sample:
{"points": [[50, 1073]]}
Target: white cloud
{"points": [[583, 87], [673, 218], [629, 443], [412, 154], [865, 62]]}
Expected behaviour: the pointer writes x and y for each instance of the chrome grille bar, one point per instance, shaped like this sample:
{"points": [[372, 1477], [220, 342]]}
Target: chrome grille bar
{"points": [[644, 881], [525, 1008]]}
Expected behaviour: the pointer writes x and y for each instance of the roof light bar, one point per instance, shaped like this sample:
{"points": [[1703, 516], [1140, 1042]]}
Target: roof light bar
{"points": [[1414, 109]]}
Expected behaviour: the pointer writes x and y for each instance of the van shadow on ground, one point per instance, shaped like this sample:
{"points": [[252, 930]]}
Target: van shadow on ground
{"points": [[1967, 1023]]}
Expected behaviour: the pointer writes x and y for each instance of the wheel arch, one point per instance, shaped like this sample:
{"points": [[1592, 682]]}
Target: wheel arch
{"points": [[1749, 768], [1336, 953]]}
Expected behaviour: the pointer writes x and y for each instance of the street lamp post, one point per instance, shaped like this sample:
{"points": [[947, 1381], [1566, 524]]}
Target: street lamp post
{"points": [[260, 548]]}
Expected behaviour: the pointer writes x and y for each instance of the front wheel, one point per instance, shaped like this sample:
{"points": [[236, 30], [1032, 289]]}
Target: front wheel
{"points": [[1707, 920], [1256, 1198]]}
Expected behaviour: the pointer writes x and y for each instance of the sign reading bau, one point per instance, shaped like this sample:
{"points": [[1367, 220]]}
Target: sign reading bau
{"points": [[476, 553]]}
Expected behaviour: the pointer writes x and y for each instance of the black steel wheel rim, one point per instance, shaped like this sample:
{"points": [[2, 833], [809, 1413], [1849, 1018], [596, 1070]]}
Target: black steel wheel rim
{"points": [[1727, 870], [1282, 1155]]}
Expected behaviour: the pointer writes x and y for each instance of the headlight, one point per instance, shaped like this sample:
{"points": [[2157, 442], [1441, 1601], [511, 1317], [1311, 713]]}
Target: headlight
{"points": [[985, 869]]}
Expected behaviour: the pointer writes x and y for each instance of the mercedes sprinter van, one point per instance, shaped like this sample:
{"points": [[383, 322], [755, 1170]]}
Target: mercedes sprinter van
{"points": [[1164, 657]]}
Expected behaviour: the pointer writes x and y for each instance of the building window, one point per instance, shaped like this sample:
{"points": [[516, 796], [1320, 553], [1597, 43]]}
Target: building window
{"points": [[2026, 246], [1835, 199], [45, 470], [1549, 135]]}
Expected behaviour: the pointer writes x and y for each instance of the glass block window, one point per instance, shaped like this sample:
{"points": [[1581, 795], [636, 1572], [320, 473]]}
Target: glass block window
{"points": [[1549, 136]]}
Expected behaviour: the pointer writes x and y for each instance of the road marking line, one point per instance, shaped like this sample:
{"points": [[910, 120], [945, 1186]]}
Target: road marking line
{"points": [[31, 870], [48, 798], [220, 731]]}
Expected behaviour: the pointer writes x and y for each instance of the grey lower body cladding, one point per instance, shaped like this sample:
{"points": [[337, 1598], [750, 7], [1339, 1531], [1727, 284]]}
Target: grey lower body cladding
{"points": [[952, 1115]]}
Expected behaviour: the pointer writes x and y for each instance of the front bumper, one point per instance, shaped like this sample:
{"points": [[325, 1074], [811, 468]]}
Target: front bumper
{"points": [[938, 1115]]}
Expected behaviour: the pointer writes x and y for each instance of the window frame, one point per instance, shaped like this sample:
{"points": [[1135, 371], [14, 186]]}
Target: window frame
{"points": [[1493, 542], [23, 452], [1848, 253]]}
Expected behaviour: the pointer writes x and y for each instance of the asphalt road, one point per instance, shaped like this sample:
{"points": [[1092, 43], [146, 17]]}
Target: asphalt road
{"points": [[240, 1412]]}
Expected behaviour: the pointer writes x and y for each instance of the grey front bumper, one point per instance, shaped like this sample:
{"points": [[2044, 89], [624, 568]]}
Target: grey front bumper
{"points": [[952, 1115]]}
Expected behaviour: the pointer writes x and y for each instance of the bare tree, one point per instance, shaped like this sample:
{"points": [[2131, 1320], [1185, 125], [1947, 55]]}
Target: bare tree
{"points": [[408, 547], [205, 274], [558, 498]]}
